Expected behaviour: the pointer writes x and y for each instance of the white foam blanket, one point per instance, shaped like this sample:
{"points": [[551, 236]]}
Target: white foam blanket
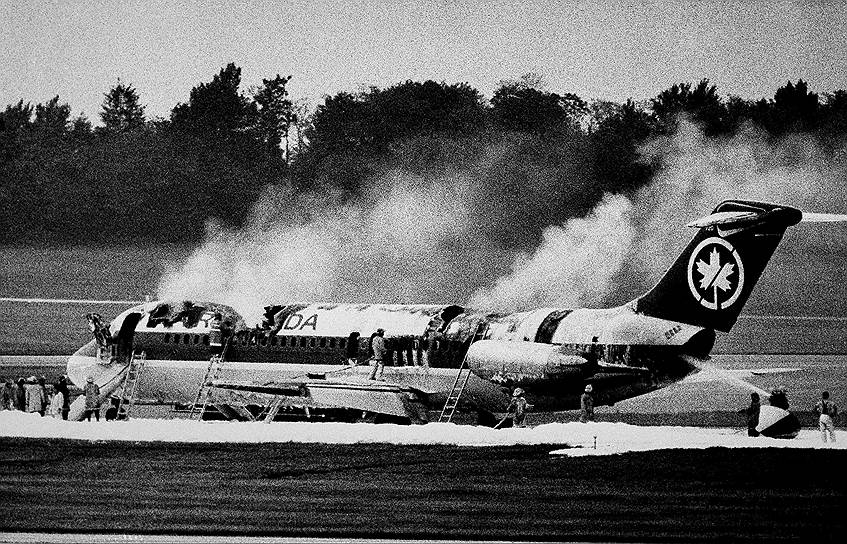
{"points": [[574, 439]]}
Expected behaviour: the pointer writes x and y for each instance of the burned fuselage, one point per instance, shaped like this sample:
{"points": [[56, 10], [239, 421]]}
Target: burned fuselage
{"points": [[551, 353]]}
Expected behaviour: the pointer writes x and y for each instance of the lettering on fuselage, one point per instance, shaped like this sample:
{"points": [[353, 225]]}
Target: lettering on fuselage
{"points": [[295, 322]]}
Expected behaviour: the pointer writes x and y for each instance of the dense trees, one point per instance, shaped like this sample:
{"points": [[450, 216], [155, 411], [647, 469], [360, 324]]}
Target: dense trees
{"points": [[122, 110], [161, 179]]}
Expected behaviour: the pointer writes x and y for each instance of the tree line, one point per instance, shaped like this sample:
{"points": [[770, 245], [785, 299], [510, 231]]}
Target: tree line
{"points": [[136, 178]]}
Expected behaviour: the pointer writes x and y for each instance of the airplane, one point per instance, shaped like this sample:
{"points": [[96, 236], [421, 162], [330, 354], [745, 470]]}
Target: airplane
{"points": [[299, 354]]}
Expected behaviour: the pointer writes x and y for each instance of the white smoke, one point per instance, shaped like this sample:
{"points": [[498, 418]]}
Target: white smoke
{"points": [[573, 266], [696, 173], [401, 243], [438, 238]]}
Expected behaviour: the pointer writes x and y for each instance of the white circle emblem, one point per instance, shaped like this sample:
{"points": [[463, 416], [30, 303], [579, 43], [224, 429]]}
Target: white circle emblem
{"points": [[719, 273]]}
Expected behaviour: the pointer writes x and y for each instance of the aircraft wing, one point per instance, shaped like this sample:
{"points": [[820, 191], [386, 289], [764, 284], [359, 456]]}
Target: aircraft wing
{"points": [[358, 395]]}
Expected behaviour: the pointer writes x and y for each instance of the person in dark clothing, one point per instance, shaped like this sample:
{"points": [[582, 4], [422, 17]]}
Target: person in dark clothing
{"points": [[352, 350], [20, 395], [45, 398], [7, 396], [62, 387], [753, 415], [92, 399]]}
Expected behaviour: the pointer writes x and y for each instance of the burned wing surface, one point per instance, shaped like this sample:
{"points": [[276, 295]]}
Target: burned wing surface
{"points": [[709, 283]]}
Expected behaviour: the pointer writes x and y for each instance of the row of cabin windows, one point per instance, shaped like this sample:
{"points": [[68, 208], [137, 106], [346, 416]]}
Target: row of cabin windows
{"points": [[243, 339], [186, 339], [293, 341]]}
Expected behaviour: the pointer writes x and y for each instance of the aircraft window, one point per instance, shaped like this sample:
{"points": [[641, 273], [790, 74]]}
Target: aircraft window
{"points": [[167, 337], [282, 340], [311, 342], [196, 339], [185, 339], [303, 342], [264, 340], [323, 342], [206, 339], [274, 341], [332, 342], [342, 343]]}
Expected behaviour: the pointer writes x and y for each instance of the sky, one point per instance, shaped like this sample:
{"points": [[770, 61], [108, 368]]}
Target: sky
{"points": [[603, 50]]}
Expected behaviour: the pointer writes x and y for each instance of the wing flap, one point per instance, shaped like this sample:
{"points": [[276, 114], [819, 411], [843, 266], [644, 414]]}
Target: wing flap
{"points": [[365, 396]]}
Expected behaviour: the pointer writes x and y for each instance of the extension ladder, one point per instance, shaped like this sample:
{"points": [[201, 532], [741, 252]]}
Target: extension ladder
{"points": [[130, 385], [272, 409], [216, 363], [462, 377]]}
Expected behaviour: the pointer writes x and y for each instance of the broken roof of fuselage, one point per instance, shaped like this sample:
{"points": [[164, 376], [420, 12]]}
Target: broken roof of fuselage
{"points": [[322, 319]]}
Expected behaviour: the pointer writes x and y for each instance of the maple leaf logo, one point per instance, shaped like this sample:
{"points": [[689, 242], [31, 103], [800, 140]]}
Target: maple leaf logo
{"points": [[714, 273]]}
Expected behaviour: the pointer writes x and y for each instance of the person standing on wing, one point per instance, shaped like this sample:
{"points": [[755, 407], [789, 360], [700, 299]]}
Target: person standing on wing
{"points": [[378, 360]]}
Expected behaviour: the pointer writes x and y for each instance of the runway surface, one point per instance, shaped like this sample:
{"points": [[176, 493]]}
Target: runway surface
{"points": [[387, 481], [432, 491]]}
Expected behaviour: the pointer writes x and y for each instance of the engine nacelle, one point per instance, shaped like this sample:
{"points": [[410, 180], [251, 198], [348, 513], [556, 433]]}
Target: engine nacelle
{"points": [[487, 358]]}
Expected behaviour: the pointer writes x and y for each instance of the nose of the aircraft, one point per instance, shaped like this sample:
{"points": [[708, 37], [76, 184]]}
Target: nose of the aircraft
{"points": [[83, 363]]}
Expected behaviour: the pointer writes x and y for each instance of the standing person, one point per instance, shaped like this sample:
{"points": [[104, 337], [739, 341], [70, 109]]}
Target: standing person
{"points": [[518, 407], [753, 414], [20, 395], [45, 397], [7, 396], [828, 413], [62, 387], [34, 396], [352, 349], [57, 402], [586, 405], [92, 399], [378, 358]]}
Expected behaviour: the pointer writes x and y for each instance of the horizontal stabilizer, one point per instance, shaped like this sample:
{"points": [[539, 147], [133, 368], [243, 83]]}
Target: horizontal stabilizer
{"points": [[725, 219]]}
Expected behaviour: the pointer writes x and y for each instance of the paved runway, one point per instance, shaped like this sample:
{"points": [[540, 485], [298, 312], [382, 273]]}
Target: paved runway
{"points": [[124, 538], [419, 492]]}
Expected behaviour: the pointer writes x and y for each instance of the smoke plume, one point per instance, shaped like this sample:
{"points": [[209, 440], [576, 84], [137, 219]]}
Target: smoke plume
{"points": [[500, 232]]}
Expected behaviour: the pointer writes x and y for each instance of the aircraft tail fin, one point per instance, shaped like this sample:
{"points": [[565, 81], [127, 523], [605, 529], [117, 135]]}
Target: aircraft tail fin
{"points": [[711, 280]]}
